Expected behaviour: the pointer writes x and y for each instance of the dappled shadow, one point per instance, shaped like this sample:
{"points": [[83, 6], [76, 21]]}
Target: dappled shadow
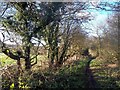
{"points": [[75, 74], [91, 82], [107, 76], [70, 75]]}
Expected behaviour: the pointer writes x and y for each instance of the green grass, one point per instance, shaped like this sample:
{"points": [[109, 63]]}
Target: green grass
{"points": [[106, 77], [5, 60], [69, 76]]}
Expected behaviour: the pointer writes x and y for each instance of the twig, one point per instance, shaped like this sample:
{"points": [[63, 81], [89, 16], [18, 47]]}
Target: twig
{"points": [[4, 10]]}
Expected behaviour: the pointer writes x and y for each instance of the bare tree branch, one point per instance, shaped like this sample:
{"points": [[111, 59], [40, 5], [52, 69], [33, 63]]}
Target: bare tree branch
{"points": [[4, 10]]}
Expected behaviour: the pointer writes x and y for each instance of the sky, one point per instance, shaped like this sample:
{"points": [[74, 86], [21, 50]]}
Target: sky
{"points": [[99, 18]]}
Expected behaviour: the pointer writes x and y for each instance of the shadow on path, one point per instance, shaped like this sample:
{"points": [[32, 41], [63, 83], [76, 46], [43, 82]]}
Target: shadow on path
{"points": [[91, 83]]}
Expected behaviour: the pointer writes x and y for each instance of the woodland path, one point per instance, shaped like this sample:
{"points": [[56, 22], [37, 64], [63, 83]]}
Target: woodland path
{"points": [[91, 83]]}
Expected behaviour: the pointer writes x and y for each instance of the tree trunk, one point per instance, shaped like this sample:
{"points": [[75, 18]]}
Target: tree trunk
{"points": [[16, 79], [27, 59], [62, 56], [52, 56]]}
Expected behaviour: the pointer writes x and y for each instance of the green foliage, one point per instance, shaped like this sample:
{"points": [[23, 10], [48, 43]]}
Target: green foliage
{"points": [[12, 86], [70, 76]]}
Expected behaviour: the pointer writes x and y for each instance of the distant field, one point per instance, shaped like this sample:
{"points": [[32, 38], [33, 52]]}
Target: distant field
{"points": [[5, 60]]}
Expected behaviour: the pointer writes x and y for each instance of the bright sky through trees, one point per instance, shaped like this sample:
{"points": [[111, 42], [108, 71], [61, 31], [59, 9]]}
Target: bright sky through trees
{"points": [[99, 18]]}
